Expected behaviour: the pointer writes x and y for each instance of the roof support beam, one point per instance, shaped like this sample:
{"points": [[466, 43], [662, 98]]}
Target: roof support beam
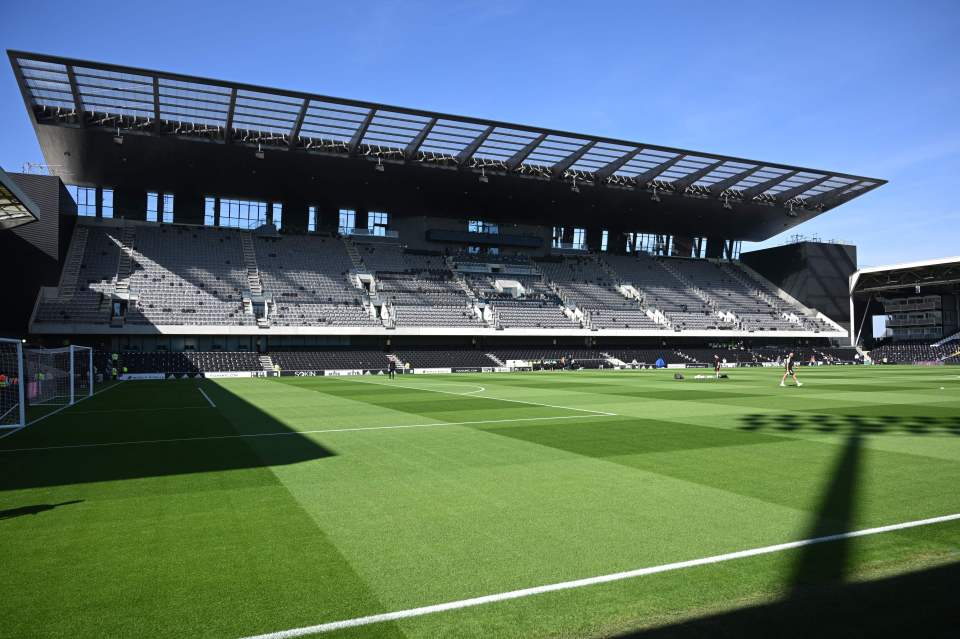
{"points": [[77, 98], [651, 174], [789, 194], [609, 169], [361, 131], [753, 191], [156, 104], [682, 183], [564, 164], [719, 187], [298, 124], [228, 123], [466, 154], [410, 152], [827, 196], [514, 162]]}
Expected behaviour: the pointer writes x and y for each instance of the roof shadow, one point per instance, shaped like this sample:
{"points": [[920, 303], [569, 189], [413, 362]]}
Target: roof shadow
{"points": [[127, 434], [853, 424], [918, 604]]}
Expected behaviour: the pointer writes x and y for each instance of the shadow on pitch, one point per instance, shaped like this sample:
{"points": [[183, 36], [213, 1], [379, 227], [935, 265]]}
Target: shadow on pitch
{"points": [[919, 604], [819, 603], [853, 424], [128, 426], [36, 509]]}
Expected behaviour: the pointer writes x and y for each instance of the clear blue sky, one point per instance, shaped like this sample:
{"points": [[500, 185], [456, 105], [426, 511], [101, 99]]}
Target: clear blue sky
{"points": [[870, 88]]}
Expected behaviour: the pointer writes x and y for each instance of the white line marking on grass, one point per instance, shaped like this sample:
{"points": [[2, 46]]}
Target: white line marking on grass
{"points": [[591, 581], [54, 412], [295, 432], [207, 397], [497, 399], [145, 409]]}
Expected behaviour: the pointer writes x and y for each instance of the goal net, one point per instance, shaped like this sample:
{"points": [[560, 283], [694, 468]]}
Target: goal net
{"points": [[58, 376], [12, 406]]}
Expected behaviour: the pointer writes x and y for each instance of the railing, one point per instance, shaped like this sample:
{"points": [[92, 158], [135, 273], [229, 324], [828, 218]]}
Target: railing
{"points": [[377, 232]]}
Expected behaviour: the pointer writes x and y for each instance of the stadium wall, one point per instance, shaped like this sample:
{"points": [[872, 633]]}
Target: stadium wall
{"points": [[33, 252], [817, 274]]}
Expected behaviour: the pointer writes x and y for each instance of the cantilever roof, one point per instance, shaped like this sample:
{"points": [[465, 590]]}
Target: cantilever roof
{"points": [[16, 207], [945, 270], [77, 93]]}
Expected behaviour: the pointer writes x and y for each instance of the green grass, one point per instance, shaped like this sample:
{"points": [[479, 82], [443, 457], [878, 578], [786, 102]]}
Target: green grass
{"points": [[216, 535]]}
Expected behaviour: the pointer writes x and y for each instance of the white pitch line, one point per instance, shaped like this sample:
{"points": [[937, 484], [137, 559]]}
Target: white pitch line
{"points": [[347, 378], [207, 397], [591, 581], [293, 432], [145, 409], [54, 412]]}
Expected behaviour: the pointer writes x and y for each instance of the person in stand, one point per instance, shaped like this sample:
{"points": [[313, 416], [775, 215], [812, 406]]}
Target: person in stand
{"points": [[788, 371], [716, 366], [392, 368]]}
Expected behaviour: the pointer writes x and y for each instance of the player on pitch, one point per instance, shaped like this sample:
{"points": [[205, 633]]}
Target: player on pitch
{"points": [[789, 371]]}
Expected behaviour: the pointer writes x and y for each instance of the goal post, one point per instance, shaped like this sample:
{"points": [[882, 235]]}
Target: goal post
{"points": [[58, 376], [13, 408]]}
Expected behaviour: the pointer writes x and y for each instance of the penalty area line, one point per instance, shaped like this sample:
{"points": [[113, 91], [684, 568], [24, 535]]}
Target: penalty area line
{"points": [[348, 378], [207, 397], [591, 581], [294, 432]]}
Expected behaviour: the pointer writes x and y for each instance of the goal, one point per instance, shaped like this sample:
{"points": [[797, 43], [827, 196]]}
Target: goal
{"points": [[58, 376], [12, 405]]}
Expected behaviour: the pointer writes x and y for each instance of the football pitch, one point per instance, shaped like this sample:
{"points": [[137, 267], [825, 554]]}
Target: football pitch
{"points": [[556, 504]]}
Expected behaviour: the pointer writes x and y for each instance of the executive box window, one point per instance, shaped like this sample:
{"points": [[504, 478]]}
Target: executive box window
{"points": [[106, 205], [277, 208], [377, 223], [479, 226], [242, 214], [348, 221], [154, 203], [86, 199]]}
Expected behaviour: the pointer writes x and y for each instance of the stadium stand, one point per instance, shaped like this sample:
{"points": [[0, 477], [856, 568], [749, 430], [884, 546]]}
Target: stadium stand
{"points": [[185, 276], [308, 279], [187, 362], [587, 284], [445, 358], [176, 275], [914, 353], [329, 360]]}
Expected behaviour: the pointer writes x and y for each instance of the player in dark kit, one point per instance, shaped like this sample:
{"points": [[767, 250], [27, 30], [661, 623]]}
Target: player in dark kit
{"points": [[392, 368], [788, 365], [716, 366]]}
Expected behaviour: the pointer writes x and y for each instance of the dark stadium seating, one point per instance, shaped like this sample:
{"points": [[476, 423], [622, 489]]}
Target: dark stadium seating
{"points": [[176, 276], [188, 362], [911, 353]]}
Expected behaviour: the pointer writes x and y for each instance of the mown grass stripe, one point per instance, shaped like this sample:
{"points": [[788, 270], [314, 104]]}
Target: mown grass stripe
{"points": [[592, 581]]}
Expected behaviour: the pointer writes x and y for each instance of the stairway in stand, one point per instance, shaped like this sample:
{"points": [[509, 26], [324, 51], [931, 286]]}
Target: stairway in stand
{"points": [[125, 264], [266, 363], [250, 263], [354, 255], [72, 263]]}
